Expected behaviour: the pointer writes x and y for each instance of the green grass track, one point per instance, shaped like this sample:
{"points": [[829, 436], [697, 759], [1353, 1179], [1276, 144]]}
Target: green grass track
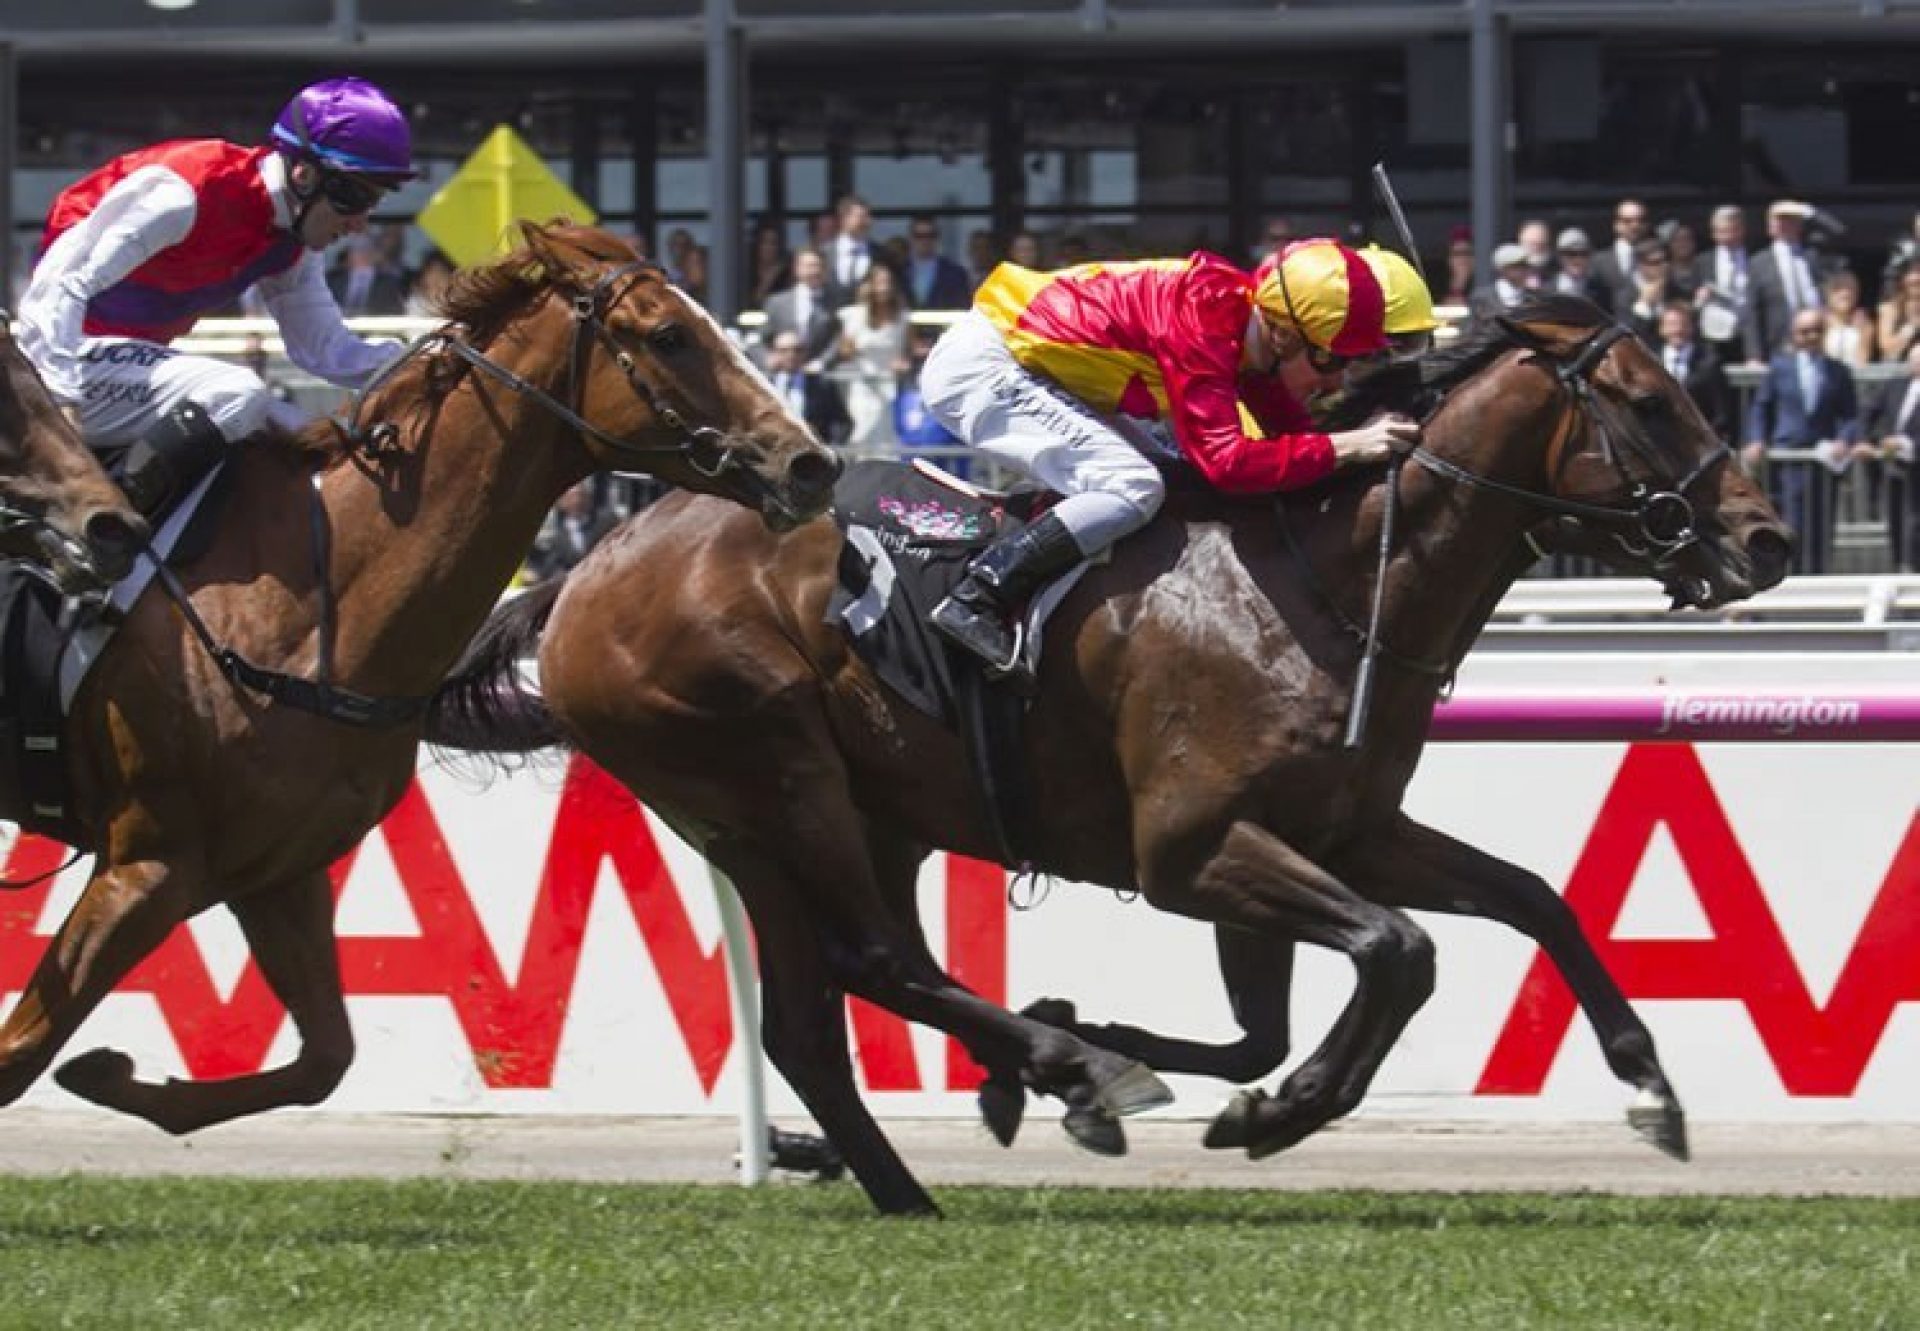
{"points": [[215, 1253]]}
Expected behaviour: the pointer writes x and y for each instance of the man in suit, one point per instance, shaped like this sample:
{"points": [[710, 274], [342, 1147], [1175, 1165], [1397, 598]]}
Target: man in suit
{"points": [[853, 253], [933, 281], [1508, 288], [571, 530], [1697, 369], [1805, 401], [805, 309], [1614, 266], [360, 285], [1720, 281], [1574, 276], [1653, 289], [1780, 281], [1893, 423], [812, 396]]}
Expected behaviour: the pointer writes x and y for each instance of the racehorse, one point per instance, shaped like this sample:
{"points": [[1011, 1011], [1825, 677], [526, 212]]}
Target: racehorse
{"points": [[58, 509], [1185, 741], [234, 740]]}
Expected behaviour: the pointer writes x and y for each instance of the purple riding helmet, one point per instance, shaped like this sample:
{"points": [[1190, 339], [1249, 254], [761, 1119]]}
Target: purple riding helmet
{"points": [[348, 125]]}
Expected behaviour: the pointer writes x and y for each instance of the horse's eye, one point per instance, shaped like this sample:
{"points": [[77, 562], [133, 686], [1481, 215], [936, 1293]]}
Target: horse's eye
{"points": [[668, 339]]}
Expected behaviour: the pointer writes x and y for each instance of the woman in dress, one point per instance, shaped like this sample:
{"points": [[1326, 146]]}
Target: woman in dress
{"points": [[873, 350]]}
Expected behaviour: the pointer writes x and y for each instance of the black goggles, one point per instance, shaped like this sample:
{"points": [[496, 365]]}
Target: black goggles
{"points": [[350, 196]]}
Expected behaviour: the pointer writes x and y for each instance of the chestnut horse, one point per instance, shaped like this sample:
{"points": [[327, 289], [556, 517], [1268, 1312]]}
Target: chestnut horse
{"points": [[348, 574], [58, 508], [1186, 740]]}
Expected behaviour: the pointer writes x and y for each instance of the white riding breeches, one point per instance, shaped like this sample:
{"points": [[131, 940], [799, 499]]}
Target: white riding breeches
{"points": [[973, 385], [126, 385]]}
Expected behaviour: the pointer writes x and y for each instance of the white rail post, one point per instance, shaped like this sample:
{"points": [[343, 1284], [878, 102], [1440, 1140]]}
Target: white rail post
{"points": [[743, 984]]}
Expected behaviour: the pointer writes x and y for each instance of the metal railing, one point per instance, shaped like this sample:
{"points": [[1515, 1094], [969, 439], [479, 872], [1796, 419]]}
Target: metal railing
{"points": [[1856, 503]]}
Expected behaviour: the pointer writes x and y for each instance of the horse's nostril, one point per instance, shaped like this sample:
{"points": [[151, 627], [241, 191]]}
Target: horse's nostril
{"points": [[114, 540], [814, 473], [1771, 550]]}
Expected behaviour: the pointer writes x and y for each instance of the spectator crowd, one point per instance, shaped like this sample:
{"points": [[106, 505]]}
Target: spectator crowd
{"points": [[836, 336], [1789, 308]]}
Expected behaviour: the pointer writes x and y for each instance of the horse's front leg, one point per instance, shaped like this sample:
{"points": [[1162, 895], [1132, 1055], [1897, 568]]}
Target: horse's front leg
{"points": [[289, 930], [124, 913], [1256, 882], [1417, 868]]}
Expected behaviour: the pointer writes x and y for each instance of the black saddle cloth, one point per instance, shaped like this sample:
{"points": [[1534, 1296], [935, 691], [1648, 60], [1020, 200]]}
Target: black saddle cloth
{"points": [[910, 535], [909, 538]]}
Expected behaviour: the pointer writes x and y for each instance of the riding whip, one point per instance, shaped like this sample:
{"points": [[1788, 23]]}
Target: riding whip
{"points": [[1363, 678], [1384, 188]]}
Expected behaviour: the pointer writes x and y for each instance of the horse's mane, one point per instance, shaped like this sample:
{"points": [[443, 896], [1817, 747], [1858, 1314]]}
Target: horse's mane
{"points": [[485, 296], [483, 299], [1413, 386]]}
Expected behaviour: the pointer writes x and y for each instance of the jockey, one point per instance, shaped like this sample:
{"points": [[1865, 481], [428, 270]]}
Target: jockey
{"points": [[1410, 321], [137, 251], [1075, 377]]}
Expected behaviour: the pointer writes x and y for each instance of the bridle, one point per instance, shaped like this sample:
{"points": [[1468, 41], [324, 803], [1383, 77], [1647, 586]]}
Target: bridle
{"points": [[705, 448], [1657, 521], [1655, 524]]}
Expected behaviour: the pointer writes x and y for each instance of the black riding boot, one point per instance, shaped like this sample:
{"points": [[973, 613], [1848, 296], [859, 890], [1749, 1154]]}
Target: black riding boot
{"points": [[181, 447], [978, 615]]}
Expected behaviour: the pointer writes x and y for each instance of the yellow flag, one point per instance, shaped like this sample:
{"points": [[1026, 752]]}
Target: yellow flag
{"points": [[502, 183]]}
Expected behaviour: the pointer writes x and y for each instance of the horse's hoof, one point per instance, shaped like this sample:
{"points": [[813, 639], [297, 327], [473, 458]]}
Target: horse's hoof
{"points": [[1003, 1104], [96, 1075], [921, 1207], [1095, 1130], [1660, 1120], [1056, 1012], [1134, 1091], [1231, 1127]]}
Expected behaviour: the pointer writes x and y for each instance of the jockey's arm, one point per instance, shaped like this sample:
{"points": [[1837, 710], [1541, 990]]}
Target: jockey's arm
{"points": [[1204, 396], [151, 210], [315, 333]]}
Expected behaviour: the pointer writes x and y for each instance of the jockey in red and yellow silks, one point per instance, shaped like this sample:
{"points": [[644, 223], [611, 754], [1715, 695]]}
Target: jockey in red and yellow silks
{"points": [[1074, 376]]}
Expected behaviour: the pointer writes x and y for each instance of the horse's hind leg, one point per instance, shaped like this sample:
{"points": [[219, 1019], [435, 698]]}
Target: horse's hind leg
{"points": [[1255, 881], [290, 932], [124, 913], [805, 1032], [1418, 868], [1258, 972]]}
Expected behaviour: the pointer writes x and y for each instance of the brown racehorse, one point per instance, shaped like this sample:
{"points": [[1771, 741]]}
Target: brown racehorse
{"points": [[1185, 741], [58, 509], [367, 563]]}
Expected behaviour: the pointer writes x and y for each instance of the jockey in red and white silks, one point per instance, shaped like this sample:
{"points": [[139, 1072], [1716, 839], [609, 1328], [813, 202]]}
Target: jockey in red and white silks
{"points": [[138, 250]]}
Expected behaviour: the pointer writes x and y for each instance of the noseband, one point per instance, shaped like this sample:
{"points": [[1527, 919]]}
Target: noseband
{"points": [[1657, 521], [704, 447]]}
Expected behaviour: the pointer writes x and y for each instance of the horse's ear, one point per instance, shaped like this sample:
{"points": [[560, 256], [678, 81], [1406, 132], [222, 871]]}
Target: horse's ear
{"points": [[547, 246]]}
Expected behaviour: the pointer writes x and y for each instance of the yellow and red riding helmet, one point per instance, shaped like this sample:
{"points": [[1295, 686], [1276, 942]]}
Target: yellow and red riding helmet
{"points": [[1329, 293]]}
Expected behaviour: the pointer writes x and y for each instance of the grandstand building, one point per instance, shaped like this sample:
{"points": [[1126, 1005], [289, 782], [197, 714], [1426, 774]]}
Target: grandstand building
{"points": [[1140, 125]]}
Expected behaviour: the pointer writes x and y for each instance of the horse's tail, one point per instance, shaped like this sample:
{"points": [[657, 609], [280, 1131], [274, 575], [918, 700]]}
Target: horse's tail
{"points": [[486, 704]]}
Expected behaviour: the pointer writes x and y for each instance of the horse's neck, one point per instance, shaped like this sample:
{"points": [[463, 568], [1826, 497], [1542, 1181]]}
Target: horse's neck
{"points": [[416, 567]]}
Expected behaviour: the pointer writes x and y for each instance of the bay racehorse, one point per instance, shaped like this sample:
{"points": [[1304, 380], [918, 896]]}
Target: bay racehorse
{"points": [[349, 570], [58, 509], [1185, 742]]}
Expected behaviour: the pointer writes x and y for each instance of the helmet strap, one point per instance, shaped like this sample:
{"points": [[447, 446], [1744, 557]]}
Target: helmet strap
{"points": [[303, 199]]}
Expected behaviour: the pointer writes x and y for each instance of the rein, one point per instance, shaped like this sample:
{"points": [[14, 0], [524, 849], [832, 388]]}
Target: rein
{"points": [[318, 696]]}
